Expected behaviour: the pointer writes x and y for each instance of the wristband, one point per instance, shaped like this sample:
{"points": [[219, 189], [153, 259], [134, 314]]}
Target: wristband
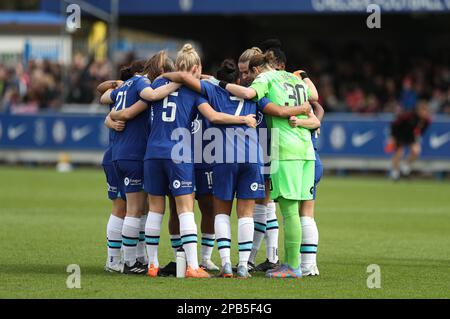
{"points": [[304, 75], [223, 84]]}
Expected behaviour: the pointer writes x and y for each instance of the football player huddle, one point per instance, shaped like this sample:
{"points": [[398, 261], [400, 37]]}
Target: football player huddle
{"points": [[249, 133]]}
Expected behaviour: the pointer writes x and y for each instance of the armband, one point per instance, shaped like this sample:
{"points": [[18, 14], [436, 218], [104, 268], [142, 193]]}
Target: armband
{"points": [[223, 84]]}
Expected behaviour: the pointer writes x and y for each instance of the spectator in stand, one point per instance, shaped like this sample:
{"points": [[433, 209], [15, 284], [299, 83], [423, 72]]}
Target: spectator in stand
{"points": [[354, 98], [349, 79]]}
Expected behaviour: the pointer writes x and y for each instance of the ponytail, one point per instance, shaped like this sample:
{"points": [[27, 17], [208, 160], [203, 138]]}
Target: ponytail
{"points": [[187, 58]]}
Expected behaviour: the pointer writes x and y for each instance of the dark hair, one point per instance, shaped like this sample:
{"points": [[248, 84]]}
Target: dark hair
{"points": [[274, 45], [269, 44], [228, 71], [261, 60], [129, 71]]}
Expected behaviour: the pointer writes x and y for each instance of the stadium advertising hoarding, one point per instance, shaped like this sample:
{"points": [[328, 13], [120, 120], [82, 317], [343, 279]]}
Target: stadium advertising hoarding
{"points": [[53, 132], [155, 7], [341, 136]]}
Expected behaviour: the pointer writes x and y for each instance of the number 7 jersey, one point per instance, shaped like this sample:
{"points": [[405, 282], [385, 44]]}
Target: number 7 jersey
{"points": [[284, 88]]}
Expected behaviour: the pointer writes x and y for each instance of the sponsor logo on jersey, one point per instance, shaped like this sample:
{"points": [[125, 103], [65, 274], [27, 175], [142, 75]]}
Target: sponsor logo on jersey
{"points": [[176, 184], [259, 118], [195, 125]]}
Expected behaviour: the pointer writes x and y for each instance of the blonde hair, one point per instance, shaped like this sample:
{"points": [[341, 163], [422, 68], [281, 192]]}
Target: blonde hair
{"points": [[187, 58], [248, 54]]}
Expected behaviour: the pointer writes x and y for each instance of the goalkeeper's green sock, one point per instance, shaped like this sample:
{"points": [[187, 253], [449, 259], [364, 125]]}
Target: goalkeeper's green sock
{"points": [[292, 231]]}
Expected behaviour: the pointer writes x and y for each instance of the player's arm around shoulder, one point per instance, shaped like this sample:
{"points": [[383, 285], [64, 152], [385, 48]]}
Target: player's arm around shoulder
{"points": [[273, 109], [149, 94], [311, 123], [313, 94], [107, 98], [222, 118], [318, 109], [242, 92], [129, 113], [184, 78], [114, 125], [110, 84]]}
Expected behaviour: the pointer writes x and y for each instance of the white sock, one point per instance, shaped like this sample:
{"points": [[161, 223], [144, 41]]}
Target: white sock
{"points": [[114, 237], [246, 227], [207, 246], [395, 173], [188, 232], [405, 168], [272, 233], [130, 238], [310, 240], [140, 249], [222, 227], [260, 219], [176, 243], [152, 233]]}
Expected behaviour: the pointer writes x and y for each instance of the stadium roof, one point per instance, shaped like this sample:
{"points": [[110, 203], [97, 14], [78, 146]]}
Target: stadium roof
{"points": [[30, 18], [178, 7]]}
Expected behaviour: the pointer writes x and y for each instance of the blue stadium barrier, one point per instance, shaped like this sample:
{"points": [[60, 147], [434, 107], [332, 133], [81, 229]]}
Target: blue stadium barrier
{"points": [[342, 135], [53, 132], [350, 135]]}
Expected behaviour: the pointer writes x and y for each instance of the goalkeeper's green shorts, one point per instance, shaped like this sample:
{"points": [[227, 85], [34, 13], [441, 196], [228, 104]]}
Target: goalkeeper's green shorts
{"points": [[292, 179]]}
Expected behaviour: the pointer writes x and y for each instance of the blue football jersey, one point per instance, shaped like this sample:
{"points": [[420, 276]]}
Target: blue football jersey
{"points": [[172, 124], [263, 131], [199, 126], [107, 156], [241, 143], [130, 144], [314, 138]]}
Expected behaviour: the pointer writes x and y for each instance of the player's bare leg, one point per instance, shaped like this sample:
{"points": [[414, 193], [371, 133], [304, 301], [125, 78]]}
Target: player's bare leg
{"points": [[310, 239], [396, 159], [414, 153], [206, 205]]}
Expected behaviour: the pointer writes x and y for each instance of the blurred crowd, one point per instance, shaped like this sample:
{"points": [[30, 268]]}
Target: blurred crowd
{"points": [[359, 83], [44, 85], [380, 81]]}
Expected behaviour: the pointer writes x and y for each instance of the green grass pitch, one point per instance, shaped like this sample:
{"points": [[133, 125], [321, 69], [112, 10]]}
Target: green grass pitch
{"points": [[49, 220]]}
